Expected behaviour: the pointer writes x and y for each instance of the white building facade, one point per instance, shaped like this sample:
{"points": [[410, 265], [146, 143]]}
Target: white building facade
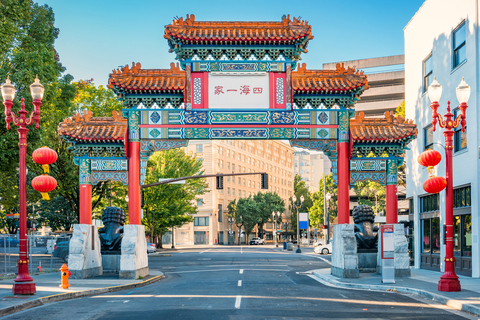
{"points": [[442, 41]]}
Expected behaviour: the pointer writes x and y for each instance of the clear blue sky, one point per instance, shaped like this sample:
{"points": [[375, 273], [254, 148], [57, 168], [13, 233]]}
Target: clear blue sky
{"points": [[99, 36]]}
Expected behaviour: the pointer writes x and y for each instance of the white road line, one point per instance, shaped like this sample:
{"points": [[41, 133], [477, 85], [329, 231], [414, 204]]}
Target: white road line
{"points": [[237, 302], [241, 271], [241, 250], [217, 270], [325, 260], [205, 251], [239, 283]]}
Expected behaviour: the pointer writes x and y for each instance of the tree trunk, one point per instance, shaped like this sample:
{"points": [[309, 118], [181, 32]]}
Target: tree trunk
{"points": [[160, 244]]}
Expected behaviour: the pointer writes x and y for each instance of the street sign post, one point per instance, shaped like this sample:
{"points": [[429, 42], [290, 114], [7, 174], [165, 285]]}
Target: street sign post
{"points": [[388, 251]]}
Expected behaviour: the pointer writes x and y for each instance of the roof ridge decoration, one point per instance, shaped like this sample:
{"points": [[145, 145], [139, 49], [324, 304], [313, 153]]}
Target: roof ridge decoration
{"points": [[190, 21]]}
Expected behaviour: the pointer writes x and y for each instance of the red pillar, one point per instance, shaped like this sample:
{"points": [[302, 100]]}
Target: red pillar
{"points": [[343, 183], [134, 205], [392, 204], [85, 204]]}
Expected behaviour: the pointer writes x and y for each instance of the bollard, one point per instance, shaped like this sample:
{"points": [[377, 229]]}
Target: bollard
{"points": [[65, 274], [39, 266]]}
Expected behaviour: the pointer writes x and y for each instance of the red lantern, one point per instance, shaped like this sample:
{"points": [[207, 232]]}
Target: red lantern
{"points": [[44, 184], [429, 158], [434, 184], [44, 156]]}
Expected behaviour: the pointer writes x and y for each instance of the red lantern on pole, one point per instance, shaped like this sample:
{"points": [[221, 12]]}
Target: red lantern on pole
{"points": [[429, 158], [435, 184], [44, 156], [44, 184]]}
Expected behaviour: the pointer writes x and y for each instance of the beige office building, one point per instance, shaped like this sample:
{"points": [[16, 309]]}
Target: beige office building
{"points": [[311, 167], [211, 225]]}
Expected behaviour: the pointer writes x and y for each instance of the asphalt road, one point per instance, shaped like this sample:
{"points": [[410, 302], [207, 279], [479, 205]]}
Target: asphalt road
{"points": [[254, 282]]}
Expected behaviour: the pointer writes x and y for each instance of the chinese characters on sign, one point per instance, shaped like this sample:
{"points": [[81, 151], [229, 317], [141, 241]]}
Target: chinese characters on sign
{"points": [[242, 91], [245, 89]]}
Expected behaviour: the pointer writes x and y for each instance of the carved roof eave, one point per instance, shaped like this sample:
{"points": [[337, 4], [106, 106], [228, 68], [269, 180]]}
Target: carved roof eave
{"points": [[209, 32]]}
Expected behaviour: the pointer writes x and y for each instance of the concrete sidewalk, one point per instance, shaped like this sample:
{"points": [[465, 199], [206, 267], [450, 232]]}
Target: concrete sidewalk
{"points": [[422, 282], [48, 290]]}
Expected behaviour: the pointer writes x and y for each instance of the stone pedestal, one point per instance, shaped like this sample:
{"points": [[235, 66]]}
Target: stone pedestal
{"points": [[402, 261], [344, 253], [367, 261], [84, 259], [134, 260], [111, 263]]}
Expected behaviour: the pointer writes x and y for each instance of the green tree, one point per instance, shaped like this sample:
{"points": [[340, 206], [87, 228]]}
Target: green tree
{"points": [[171, 205], [266, 204], [299, 189], [246, 215], [100, 100], [317, 211], [57, 214], [400, 110], [372, 194]]}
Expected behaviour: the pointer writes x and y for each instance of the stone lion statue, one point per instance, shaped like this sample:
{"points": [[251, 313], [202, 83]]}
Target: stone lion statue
{"points": [[111, 234], [365, 232]]}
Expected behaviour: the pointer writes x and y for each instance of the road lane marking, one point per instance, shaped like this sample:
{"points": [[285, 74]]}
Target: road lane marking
{"points": [[325, 260], [217, 270], [239, 283], [237, 302], [204, 251]]}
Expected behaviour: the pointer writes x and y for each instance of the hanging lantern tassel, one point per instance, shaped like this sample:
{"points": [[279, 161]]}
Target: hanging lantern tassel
{"points": [[45, 168], [45, 196]]}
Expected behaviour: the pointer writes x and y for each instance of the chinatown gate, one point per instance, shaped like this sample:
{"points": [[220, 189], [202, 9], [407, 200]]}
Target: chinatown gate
{"points": [[235, 80]]}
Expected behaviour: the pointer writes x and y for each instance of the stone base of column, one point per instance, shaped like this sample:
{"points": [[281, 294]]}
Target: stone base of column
{"points": [[402, 260], [134, 259], [344, 252], [24, 288], [85, 259]]}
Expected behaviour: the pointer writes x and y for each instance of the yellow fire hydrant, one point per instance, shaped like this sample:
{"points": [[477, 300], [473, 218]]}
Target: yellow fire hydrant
{"points": [[65, 275]]}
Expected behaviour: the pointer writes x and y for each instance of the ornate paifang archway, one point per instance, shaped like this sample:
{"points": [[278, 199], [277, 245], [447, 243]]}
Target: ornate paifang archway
{"points": [[235, 80]]}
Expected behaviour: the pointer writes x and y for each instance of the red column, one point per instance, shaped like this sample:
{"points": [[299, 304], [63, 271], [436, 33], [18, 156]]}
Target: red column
{"points": [[449, 280], [134, 205], [392, 204], [343, 183], [85, 204]]}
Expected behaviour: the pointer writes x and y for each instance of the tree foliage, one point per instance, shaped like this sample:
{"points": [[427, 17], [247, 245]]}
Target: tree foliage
{"points": [[57, 214], [171, 205], [372, 194], [400, 110], [100, 100], [317, 211], [299, 189]]}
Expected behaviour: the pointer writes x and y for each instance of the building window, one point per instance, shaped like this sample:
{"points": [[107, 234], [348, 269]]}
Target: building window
{"points": [[462, 235], [200, 221], [199, 148], [233, 192], [240, 181], [228, 165], [461, 197], [228, 191], [233, 167], [220, 213], [427, 72], [429, 203], [459, 48], [459, 138], [428, 137], [431, 235], [199, 202]]}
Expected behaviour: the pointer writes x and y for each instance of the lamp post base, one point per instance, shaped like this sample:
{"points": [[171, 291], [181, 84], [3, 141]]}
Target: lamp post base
{"points": [[24, 288], [449, 283], [298, 250]]}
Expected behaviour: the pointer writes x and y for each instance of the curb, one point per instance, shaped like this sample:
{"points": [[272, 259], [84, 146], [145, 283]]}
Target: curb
{"points": [[452, 303], [74, 295]]}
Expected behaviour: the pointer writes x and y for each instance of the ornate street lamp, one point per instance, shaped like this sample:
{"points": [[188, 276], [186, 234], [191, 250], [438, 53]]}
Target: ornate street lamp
{"points": [[449, 280], [231, 220], [23, 282], [298, 206], [275, 218], [328, 196]]}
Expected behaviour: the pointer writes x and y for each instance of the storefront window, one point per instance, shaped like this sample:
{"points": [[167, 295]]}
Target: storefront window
{"points": [[436, 235], [456, 235], [426, 235], [467, 235]]}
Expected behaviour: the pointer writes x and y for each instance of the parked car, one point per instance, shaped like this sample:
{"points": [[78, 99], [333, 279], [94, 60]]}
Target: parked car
{"points": [[323, 248], [9, 242], [256, 241], [62, 247], [151, 247]]}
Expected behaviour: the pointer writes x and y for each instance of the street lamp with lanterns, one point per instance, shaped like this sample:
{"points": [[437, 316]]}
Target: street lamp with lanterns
{"points": [[449, 280], [231, 239], [326, 217], [275, 217], [298, 206], [23, 283]]}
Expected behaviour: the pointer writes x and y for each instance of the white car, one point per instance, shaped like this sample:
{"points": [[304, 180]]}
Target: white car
{"points": [[323, 248], [257, 241]]}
